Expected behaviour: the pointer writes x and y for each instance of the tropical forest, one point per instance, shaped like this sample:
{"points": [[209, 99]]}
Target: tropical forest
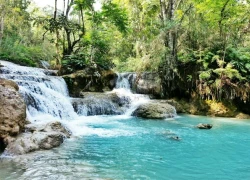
{"points": [[124, 89]]}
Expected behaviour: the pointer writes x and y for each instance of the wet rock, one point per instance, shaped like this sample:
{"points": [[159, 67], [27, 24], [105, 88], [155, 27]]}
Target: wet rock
{"points": [[180, 105], [51, 72], [88, 80], [204, 126], [44, 64], [154, 110], [148, 83], [176, 138], [242, 116], [38, 137], [12, 111], [100, 104], [57, 127]]}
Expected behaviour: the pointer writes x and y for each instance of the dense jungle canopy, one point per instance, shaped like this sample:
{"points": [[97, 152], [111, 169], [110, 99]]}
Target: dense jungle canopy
{"points": [[197, 46]]}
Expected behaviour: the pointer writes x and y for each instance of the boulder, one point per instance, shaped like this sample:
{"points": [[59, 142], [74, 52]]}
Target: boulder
{"points": [[153, 110], [148, 83], [89, 80], [242, 116], [38, 137], [204, 126], [180, 105], [12, 111]]}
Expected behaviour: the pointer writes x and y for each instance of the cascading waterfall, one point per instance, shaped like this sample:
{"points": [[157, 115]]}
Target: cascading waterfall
{"points": [[124, 85], [119, 101], [44, 94]]}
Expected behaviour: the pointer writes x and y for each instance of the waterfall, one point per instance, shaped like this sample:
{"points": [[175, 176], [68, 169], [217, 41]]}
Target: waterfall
{"points": [[125, 80], [44, 94], [124, 84], [47, 96]]}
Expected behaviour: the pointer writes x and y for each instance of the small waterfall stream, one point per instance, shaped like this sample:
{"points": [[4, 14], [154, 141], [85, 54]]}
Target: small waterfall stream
{"points": [[124, 85], [125, 80]]}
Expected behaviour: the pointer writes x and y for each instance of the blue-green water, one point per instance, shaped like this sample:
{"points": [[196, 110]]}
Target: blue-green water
{"points": [[121, 148]]}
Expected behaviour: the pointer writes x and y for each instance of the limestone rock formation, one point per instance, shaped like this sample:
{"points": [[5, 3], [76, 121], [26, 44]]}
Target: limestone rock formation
{"points": [[12, 111], [153, 110], [148, 83], [101, 104], [38, 137], [88, 81], [242, 116]]}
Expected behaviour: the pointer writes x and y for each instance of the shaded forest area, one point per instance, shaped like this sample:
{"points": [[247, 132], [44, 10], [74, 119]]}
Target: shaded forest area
{"points": [[198, 47]]}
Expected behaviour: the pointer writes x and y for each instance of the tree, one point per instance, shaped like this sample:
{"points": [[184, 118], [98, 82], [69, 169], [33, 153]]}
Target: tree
{"points": [[18, 42], [78, 25]]}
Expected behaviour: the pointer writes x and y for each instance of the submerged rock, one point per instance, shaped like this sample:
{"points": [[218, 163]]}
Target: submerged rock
{"points": [[12, 111], [38, 137], [154, 110], [177, 138], [204, 126]]}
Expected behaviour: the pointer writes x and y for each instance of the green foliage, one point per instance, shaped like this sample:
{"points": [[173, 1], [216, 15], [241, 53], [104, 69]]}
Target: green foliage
{"points": [[95, 54], [74, 62], [115, 15], [19, 42], [205, 75], [12, 49]]}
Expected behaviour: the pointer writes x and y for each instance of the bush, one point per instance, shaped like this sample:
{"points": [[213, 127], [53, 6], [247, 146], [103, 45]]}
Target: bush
{"points": [[11, 49]]}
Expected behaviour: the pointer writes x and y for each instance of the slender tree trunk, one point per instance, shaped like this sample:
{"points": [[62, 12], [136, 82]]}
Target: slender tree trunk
{"points": [[1, 29], [222, 16], [58, 58], [83, 23], [168, 68]]}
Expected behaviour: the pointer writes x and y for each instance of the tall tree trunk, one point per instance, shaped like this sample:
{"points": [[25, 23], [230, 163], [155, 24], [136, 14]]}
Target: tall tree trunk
{"points": [[168, 69], [58, 58], [1, 29]]}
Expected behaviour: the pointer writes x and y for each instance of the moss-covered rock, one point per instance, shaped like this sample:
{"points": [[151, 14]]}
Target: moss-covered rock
{"points": [[89, 80], [199, 106], [154, 110], [242, 116], [148, 83]]}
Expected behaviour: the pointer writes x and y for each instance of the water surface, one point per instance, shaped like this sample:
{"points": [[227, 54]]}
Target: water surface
{"points": [[122, 147]]}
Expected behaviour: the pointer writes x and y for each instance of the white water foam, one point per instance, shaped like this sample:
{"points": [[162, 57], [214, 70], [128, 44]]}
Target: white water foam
{"points": [[103, 126]]}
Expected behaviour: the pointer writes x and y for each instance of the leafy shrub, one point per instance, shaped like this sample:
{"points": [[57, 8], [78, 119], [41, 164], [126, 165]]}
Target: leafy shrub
{"points": [[11, 49]]}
